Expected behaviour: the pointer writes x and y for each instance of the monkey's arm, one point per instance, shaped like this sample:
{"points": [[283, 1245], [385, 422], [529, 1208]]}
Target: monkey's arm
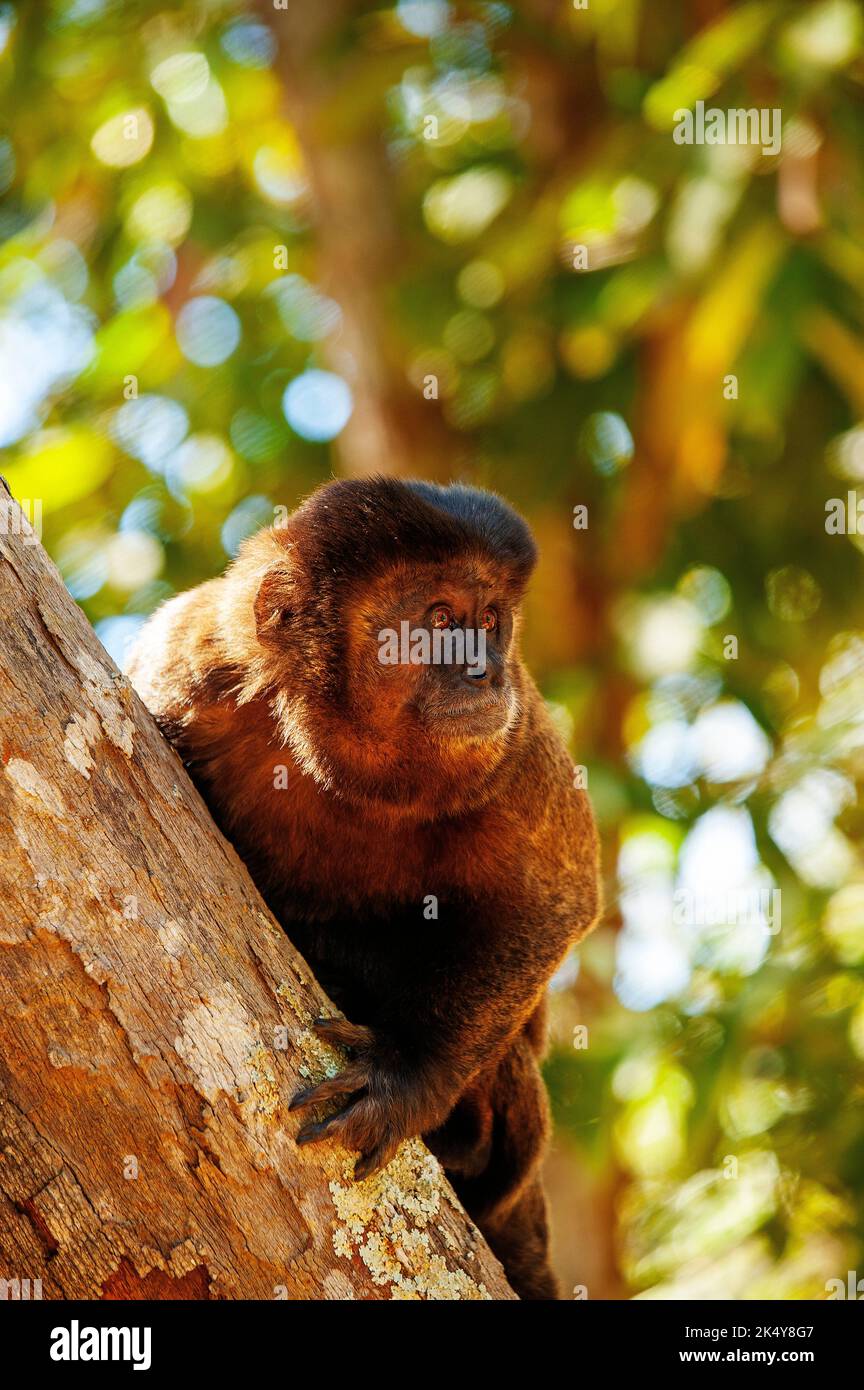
{"points": [[437, 1010]]}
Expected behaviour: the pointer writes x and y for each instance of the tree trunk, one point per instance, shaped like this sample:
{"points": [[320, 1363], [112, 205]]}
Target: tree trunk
{"points": [[334, 93], [154, 1022]]}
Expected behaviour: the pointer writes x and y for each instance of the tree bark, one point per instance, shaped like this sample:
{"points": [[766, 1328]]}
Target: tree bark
{"points": [[154, 1022]]}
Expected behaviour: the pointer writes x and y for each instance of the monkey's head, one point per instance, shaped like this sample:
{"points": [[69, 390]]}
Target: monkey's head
{"points": [[372, 609]]}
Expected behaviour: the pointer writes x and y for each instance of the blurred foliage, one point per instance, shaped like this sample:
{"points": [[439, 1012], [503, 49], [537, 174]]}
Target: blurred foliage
{"points": [[240, 246]]}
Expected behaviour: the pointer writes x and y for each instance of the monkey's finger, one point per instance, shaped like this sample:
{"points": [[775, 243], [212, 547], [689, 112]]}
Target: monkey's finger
{"points": [[371, 1162], [323, 1129], [343, 1033], [350, 1080]]}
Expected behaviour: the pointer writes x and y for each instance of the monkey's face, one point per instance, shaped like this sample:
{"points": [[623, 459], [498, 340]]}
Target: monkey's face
{"points": [[434, 660], [385, 617]]}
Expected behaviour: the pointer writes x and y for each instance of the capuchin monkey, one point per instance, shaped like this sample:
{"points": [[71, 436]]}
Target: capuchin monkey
{"points": [[414, 827]]}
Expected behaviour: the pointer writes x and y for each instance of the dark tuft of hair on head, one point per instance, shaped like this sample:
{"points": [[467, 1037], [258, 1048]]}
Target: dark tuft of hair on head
{"points": [[354, 527]]}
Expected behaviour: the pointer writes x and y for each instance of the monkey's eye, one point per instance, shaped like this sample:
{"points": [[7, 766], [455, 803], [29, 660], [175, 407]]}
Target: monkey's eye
{"points": [[442, 616], [489, 619]]}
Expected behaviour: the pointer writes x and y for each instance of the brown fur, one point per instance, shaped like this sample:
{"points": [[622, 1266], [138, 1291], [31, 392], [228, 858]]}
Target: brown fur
{"points": [[401, 782]]}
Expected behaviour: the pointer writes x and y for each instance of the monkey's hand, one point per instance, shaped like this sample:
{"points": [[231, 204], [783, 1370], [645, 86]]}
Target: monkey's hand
{"points": [[382, 1103]]}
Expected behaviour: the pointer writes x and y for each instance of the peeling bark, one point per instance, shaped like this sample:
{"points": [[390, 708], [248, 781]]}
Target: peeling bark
{"points": [[154, 1023]]}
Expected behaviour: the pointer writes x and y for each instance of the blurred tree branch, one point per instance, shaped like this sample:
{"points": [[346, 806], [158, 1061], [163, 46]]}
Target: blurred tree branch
{"points": [[335, 100]]}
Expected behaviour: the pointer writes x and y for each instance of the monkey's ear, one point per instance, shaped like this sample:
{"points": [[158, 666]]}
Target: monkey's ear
{"points": [[274, 606]]}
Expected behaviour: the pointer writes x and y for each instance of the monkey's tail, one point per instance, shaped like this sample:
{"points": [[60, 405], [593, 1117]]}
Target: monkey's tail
{"points": [[520, 1125]]}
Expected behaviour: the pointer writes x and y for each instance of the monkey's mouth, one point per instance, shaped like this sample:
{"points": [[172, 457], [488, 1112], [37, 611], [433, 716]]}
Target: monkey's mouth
{"points": [[478, 716]]}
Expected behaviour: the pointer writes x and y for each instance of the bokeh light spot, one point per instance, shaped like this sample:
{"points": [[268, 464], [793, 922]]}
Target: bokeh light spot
{"points": [[793, 594], [708, 590], [607, 441], [124, 139], [162, 213], [246, 518], [459, 208], [317, 405], [249, 44], [149, 428], [208, 331], [182, 77]]}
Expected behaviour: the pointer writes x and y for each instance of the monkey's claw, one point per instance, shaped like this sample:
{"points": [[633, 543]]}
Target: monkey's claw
{"points": [[367, 1164], [353, 1078], [341, 1033], [374, 1116]]}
